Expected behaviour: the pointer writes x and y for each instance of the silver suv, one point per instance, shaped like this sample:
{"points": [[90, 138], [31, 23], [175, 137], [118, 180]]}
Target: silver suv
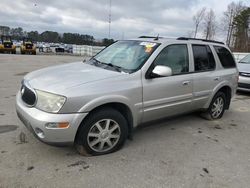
{"points": [[97, 104]]}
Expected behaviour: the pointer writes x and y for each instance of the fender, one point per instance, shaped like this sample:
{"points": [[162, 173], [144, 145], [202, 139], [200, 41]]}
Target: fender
{"points": [[91, 105], [216, 89]]}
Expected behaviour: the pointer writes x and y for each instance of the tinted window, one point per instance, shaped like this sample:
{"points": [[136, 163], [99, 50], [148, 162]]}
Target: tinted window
{"points": [[203, 58], [174, 56], [225, 57]]}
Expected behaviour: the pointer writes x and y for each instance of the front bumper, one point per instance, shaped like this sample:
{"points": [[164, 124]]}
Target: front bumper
{"points": [[7, 49], [35, 119], [244, 83], [28, 50]]}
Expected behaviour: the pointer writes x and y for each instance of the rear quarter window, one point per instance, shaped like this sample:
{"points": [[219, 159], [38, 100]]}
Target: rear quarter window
{"points": [[225, 56]]}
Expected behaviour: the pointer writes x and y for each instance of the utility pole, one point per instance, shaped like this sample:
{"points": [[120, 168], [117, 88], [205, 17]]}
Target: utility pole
{"points": [[109, 17]]}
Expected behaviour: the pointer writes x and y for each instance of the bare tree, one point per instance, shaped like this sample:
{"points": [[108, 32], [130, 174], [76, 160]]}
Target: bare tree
{"points": [[197, 18], [209, 25], [233, 9]]}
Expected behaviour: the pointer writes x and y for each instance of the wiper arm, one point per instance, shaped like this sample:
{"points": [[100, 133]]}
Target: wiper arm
{"points": [[95, 61], [116, 67]]}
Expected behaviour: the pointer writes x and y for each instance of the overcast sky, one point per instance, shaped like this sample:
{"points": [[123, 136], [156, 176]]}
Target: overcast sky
{"points": [[130, 18]]}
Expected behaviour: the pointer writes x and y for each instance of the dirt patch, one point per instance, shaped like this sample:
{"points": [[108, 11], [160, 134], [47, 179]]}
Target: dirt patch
{"points": [[2, 114], [30, 168], [205, 170], [22, 138], [208, 137], [79, 163], [21, 73], [233, 125], [217, 126], [7, 128]]}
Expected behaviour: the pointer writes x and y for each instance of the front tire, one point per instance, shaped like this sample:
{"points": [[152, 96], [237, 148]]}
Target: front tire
{"points": [[104, 131], [216, 108]]}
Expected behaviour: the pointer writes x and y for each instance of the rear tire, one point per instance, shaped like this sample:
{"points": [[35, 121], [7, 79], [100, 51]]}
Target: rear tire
{"points": [[216, 108], [104, 131]]}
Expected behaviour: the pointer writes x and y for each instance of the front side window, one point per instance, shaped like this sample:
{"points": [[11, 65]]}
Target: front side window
{"points": [[226, 58], [174, 56], [203, 58], [127, 55]]}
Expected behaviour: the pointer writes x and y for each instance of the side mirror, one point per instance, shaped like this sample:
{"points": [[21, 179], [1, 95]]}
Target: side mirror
{"points": [[162, 71]]}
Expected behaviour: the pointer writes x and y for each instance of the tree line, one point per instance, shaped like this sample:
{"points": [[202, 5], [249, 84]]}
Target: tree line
{"points": [[234, 26], [54, 37]]}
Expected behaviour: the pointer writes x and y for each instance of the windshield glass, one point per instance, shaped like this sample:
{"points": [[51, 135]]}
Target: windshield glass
{"points": [[129, 56], [245, 60]]}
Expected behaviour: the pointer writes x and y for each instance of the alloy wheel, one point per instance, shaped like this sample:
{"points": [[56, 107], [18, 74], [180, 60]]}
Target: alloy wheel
{"points": [[103, 135], [217, 107]]}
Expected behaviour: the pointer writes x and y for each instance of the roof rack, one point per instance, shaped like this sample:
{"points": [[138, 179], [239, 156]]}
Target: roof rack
{"points": [[151, 37], [204, 40]]}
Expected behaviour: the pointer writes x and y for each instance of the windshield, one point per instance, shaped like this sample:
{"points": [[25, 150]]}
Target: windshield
{"points": [[245, 60], [129, 56]]}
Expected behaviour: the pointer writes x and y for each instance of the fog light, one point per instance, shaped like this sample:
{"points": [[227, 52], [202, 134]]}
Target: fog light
{"points": [[39, 133], [60, 125]]}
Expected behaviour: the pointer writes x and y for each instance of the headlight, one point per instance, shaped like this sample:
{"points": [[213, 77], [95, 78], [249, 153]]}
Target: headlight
{"points": [[49, 102]]}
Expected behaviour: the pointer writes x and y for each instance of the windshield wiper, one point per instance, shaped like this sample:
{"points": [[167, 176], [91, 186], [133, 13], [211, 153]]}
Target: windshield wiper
{"points": [[118, 68], [115, 67], [96, 62]]}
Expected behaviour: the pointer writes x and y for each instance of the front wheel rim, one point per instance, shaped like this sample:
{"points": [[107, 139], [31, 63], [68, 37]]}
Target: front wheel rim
{"points": [[104, 135], [217, 107]]}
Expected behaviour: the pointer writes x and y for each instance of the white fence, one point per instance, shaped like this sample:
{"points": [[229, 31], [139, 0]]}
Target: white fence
{"points": [[84, 50], [89, 51], [238, 55]]}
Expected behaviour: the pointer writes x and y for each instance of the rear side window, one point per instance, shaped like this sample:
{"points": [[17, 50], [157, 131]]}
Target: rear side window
{"points": [[226, 58], [203, 58]]}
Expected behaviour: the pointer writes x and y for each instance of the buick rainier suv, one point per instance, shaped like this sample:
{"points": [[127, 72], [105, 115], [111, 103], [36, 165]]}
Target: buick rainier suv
{"points": [[96, 104]]}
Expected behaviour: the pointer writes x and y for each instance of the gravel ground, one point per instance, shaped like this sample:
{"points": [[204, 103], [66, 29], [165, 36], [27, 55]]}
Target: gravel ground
{"points": [[179, 152]]}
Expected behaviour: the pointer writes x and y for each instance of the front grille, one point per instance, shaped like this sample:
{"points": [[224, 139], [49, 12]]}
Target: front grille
{"points": [[28, 96], [28, 46], [7, 45], [245, 74], [243, 85]]}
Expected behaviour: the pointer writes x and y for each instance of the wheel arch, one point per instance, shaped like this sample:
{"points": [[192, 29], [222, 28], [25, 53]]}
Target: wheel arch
{"points": [[124, 109], [227, 90], [228, 93]]}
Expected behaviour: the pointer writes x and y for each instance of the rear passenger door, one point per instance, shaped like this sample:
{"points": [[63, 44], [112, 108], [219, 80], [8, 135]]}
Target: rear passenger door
{"points": [[205, 78]]}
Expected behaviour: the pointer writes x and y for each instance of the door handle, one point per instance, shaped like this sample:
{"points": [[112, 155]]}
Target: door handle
{"points": [[185, 83], [216, 78]]}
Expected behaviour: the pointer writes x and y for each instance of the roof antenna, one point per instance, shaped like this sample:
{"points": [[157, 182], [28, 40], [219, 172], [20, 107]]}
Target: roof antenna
{"points": [[157, 38]]}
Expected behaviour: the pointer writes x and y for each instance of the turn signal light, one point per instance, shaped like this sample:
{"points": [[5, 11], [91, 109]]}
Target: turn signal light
{"points": [[60, 125]]}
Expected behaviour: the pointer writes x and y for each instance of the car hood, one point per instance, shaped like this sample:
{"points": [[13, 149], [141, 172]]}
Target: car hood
{"points": [[243, 67], [60, 78]]}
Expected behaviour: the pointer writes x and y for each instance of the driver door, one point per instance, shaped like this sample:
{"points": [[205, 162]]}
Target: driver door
{"points": [[167, 96]]}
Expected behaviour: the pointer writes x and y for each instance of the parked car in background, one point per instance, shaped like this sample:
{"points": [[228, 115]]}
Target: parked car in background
{"points": [[244, 74], [97, 104]]}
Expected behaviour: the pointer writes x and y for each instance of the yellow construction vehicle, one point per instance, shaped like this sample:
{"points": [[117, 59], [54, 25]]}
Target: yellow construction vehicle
{"points": [[28, 47], [7, 45]]}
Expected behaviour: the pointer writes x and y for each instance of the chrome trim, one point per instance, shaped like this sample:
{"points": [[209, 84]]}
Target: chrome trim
{"points": [[246, 74]]}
